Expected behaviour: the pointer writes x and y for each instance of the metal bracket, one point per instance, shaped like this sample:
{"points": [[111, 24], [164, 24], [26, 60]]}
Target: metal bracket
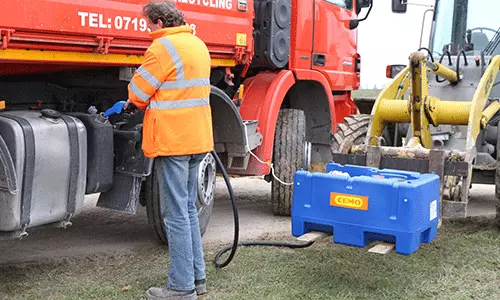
{"points": [[454, 209], [436, 166], [436, 163], [12, 235], [239, 53], [66, 222], [104, 43], [244, 163], [373, 157], [129, 158], [374, 154], [22, 232], [5, 35]]}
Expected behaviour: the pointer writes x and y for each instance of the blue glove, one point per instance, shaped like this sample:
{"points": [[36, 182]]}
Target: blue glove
{"points": [[115, 109]]}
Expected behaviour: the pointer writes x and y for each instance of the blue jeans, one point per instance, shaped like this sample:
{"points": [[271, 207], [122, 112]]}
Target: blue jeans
{"points": [[178, 179]]}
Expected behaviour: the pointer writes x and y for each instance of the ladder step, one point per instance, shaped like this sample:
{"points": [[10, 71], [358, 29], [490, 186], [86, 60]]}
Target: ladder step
{"points": [[313, 236]]}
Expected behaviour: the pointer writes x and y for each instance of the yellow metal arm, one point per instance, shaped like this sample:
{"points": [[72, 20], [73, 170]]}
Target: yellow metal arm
{"points": [[421, 110], [489, 112], [382, 109], [437, 111], [419, 93], [479, 101], [447, 112], [443, 71]]}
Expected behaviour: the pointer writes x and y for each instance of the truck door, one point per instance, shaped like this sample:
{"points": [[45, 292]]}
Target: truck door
{"points": [[334, 44]]}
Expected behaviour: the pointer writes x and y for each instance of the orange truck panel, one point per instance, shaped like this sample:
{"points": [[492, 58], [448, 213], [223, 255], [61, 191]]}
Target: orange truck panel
{"points": [[268, 46], [117, 27], [336, 43]]}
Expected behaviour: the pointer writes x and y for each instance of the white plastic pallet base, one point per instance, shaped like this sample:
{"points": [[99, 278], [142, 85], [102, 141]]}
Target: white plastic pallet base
{"points": [[313, 236], [382, 248]]}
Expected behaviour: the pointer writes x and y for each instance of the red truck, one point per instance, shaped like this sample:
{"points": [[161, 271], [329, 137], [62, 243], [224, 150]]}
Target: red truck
{"points": [[282, 76]]}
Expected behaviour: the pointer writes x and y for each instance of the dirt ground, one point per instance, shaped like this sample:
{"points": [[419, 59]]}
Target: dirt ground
{"points": [[105, 232], [101, 231]]}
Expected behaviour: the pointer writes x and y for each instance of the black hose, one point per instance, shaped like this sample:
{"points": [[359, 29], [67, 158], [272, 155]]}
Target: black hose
{"points": [[235, 214], [235, 244], [428, 52], [458, 63]]}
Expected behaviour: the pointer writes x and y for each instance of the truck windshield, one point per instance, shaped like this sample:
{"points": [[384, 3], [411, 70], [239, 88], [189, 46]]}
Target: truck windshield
{"points": [[458, 20]]}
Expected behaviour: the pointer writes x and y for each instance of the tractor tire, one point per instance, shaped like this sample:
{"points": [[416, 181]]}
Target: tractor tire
{"points": [[352, 131], [204, 201], [497, 194], [288, 157]]}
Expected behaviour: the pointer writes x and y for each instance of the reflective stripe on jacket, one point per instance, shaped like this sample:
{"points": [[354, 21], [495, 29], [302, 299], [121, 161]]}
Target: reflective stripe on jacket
{"points": [[173, 87]]}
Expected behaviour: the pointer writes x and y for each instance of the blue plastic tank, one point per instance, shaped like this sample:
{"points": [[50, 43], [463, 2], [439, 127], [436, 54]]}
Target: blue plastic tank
{"points": [[362, 204]]}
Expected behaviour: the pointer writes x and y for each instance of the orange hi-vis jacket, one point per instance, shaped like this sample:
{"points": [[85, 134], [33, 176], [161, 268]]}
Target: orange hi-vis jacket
{"points": [[173, 87]]}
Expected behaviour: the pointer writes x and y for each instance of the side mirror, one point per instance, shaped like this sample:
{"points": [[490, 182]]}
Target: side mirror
{"points": [[353, 24], [365, 3], [392, 70], [360, 4], [399, 6]]}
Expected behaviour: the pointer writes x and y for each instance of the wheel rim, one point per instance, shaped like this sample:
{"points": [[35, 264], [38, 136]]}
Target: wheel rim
{"points": [[206, 182]]}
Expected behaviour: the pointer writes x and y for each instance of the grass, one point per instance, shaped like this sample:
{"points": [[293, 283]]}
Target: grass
{"points": [[463, 263], [368, 93]]}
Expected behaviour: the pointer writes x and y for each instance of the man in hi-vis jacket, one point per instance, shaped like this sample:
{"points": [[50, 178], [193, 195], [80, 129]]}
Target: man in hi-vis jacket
{"points": [[173, 87]]}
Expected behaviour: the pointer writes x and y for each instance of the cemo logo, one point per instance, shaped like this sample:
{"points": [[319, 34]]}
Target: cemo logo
{"points": [[349, 201]]}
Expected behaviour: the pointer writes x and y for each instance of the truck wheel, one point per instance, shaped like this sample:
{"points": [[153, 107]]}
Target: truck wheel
{"points": [[289, 156], [204, 202], [352, 131]]}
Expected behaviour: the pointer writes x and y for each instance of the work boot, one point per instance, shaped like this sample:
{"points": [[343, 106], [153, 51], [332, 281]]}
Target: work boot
{"points": [[155, 293], [201, 287]]}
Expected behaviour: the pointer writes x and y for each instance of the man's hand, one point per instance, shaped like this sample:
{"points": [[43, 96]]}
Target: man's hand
{"points": [[127, 104]]}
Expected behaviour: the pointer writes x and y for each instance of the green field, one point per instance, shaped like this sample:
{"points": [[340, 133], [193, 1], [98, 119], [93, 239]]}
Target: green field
{"points": [[366, 93], [463, 263]]}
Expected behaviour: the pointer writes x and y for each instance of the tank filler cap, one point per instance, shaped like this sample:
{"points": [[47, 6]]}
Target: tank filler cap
{"points": [[50, 114]]}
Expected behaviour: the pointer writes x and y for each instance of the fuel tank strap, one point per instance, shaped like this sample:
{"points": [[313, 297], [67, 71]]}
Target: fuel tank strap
{"points": [[29, 168], [74, 146]]}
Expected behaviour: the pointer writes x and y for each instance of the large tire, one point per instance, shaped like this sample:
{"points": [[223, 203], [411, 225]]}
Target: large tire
{"points": [[497, 193], [204, 202], [288, 157], [352, 131]]}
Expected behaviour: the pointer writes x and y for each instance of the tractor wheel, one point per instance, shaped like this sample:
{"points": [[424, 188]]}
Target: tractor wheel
{"points": [[497, 194], [352, 131], [204, 202], [288, 157]]}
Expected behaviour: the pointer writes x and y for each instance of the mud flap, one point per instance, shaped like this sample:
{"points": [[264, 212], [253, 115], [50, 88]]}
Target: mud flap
{"points": [[124, 194], [131, 166]]}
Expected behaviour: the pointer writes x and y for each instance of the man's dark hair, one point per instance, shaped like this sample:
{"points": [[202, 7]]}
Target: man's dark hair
{"points": [[166, 11]]}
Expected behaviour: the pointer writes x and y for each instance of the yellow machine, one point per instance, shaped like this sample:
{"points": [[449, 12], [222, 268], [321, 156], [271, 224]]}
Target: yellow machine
{"points": [[440, 117]]}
